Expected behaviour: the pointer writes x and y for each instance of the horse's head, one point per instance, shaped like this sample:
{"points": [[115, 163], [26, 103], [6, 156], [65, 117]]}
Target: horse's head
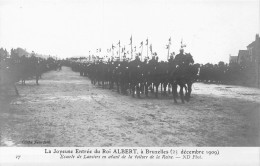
{"points": [[195, 70], [189, 58]]}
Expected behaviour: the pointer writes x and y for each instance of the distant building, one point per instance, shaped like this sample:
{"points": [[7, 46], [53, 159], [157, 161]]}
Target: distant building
{"points": [[254, 49], [254, 54], [243, 56], [251, 56], [232, 59]]}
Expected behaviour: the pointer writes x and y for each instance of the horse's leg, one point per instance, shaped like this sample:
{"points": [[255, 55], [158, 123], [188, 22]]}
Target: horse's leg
{"points": [[109, 83], [122, 87], [37, 79], [169, 90], [16, 91], [174, 92], [130, 88], [152, 87], [138, 90], [165, 87], [141, 88], [189, 92], [117, 86], [156, 93], [181, 93], [133, 90], [161, 88], [146, 89], [125, 87], [112, 84]]}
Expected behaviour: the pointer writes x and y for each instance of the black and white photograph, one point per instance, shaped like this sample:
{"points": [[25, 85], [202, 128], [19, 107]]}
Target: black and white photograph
{"points": [[129, 73]]}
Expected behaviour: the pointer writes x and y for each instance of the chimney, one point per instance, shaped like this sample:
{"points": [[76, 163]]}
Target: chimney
{"points": [[256, 36]]}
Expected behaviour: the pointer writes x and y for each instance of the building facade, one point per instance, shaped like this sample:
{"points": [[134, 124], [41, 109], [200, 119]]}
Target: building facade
{"points": [[254, 54], [232, 59], [251, 57], [254, 49]]}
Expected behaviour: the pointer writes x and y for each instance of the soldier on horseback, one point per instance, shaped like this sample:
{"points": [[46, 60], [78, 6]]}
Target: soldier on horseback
{"points": [[153, 61], [135, 75], [183, 61]]}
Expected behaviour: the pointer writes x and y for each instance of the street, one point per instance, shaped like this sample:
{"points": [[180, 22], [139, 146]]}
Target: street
{"points": [[67, 110]]}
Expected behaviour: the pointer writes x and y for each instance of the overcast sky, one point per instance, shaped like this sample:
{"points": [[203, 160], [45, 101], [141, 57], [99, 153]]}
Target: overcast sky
{"points": [[211, 29]]}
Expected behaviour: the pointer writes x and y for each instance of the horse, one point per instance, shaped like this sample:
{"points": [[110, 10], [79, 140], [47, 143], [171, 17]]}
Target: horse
{"points": [[136, 77], [155, 76], [184, 77]]}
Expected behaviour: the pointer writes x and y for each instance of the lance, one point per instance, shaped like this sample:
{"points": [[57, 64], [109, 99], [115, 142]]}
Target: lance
{"points": [[142, 54], [168, 52], [124, 51], [119, 49], [141, 51], [151, 49], [131, 43], [131, 51], [112, 51], [88, 55], [169, 48], [147, 47], [182, 45]]}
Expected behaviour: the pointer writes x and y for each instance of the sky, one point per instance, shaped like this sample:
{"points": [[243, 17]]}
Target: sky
{"points": [[211, 29]]}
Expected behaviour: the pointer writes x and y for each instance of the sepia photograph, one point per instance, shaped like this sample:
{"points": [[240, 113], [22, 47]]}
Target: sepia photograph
{"points": [[129, 73]]}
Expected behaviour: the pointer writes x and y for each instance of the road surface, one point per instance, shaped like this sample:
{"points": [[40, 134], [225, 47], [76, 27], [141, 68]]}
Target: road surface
{"points": [[66, 110]]}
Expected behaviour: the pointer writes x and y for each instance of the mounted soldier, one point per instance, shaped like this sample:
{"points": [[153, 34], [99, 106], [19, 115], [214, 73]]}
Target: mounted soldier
{"points": [[183, 61], [171, 59], [153, 61], [123, 75], [180, 59], [135, 74], [182, 75]]}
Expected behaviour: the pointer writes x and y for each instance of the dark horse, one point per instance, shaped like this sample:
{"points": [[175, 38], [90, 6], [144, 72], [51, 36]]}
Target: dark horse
{"points": [[136, 77], [155, 76], [184, 77]]}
